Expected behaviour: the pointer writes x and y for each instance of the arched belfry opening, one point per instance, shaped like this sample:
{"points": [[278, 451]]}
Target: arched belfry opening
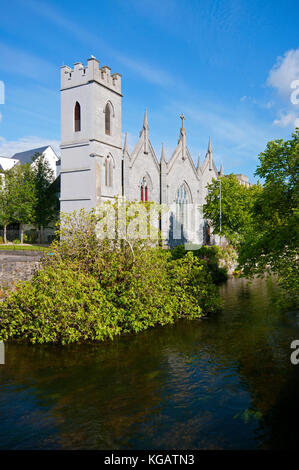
{"points": [[108, 119], [77, 117]]}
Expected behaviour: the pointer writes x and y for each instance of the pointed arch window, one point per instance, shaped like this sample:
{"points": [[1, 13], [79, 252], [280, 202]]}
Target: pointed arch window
{"points": [[108, 171], [182, 201], [143, 190], [77, 117], [108, 119]]}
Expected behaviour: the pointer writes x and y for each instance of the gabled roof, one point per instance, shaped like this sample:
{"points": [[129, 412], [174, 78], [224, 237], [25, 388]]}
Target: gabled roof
{"points": [[177, 154], [26, 157]]}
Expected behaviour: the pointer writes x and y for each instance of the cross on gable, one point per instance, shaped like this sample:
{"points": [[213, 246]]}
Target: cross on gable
{"points": [[182, 118]]}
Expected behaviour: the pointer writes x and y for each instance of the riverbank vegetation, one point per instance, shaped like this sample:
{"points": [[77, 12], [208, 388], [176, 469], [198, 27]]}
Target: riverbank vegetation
{"points": [[262, 221], [92, 288], [216, 258]]}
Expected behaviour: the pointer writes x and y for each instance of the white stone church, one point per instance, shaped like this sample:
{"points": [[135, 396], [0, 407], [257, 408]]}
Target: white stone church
{"points": [[95, 167]]}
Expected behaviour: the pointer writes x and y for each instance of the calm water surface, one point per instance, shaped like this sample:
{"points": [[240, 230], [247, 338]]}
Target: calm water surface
{"points": [[224, 382]]}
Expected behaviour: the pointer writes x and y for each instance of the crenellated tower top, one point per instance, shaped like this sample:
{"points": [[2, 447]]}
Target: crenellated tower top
{"points": [[80, 75]]}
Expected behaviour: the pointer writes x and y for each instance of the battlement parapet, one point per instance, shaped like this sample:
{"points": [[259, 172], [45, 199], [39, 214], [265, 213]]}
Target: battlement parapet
{"points": [[80, 75]]}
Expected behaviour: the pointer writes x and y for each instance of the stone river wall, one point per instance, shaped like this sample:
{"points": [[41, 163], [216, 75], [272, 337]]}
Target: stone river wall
{"points": [[17, 266]]}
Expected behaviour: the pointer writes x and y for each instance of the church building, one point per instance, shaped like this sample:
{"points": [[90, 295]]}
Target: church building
{"points": [[96, 167]]}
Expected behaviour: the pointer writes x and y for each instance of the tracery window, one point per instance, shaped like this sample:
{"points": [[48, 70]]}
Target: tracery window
{"points": [[182, 201], [144, 190], [108, 171]]}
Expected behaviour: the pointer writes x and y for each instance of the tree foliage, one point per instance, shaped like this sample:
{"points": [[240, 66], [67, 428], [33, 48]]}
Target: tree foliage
{"points": [[27, 195], [19, 182], [272, 243], [45, 209], [236, 207], [262, 221]]}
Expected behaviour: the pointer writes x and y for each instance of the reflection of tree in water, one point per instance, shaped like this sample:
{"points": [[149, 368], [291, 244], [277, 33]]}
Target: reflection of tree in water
{"points": [[96, 393], [196, 384]]}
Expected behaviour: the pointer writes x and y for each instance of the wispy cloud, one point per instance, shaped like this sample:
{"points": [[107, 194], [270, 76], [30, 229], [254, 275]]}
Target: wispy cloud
{"points": [[22, 63], [151, 74], [284, 77], [148, 71], [284, 72], [286, 120], [9, 147]]}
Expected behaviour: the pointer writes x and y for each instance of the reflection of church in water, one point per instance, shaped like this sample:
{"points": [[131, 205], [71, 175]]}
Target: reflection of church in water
{"points": [[95, 166]]}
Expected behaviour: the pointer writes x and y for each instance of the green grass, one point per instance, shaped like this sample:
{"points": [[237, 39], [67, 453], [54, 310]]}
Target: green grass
{"points": [[24, 247]]}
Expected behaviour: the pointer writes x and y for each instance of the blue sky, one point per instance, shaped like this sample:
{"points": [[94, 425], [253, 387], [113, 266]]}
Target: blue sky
{"points": [[228, 65]]}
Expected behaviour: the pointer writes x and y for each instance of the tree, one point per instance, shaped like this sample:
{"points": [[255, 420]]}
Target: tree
{"points": [[263, 222], [236, 207], [272, 242], [5, 204], [20, 185], [46, 201]]}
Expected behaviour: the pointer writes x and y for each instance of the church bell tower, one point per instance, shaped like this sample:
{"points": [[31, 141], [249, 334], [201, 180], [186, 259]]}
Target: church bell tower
{"points": [[91, 154]]}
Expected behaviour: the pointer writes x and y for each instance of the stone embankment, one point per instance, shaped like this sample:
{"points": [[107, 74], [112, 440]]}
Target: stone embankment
{"points": [[17, 266]]}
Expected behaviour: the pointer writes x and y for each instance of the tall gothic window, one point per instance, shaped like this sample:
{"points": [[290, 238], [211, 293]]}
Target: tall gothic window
{"points": [[77, 117], [144, 190], [108, 171], [182, 201], [107, 119]]}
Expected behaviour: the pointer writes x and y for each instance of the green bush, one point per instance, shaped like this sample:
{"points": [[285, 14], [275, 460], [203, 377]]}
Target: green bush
{"points": [[91, 289], [16, 241], [210, 255], [1, 240], [59, 305]]}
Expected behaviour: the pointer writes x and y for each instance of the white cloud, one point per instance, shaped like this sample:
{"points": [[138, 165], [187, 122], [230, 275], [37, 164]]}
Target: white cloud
{"points": [[284, 71], [286, 120], [9, 147], [296, 122]]}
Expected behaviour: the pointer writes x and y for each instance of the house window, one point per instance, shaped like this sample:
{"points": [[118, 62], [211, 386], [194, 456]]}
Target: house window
{"points": [[107, 119], [144, 191], [77, 117], [108, 171]]}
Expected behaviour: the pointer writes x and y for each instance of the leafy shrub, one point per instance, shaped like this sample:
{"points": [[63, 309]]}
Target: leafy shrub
{"points": [[91, 289], [178, 252], [16, 241], [1, 240], [210, 255], [59, 305]]}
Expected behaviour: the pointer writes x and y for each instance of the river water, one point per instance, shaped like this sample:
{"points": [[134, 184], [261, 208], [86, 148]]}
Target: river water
{"points": [[223, 382]]}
